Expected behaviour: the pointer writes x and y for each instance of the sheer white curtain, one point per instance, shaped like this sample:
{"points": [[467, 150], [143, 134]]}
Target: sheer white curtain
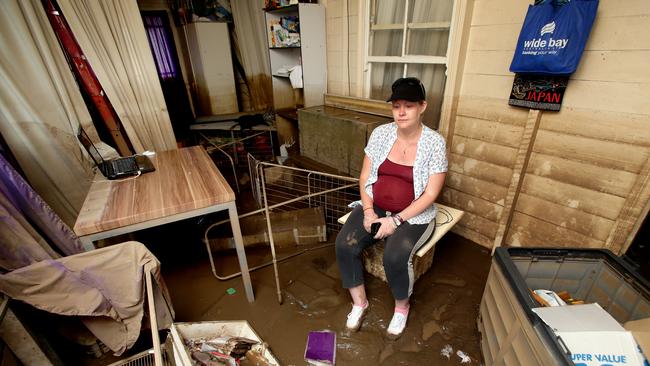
{"points": [[112, 37], [430, 40], [41, 108], [250, 34]]}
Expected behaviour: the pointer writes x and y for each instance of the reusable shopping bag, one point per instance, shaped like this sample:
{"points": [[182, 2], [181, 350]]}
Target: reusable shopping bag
{"points": [[553, 37]]}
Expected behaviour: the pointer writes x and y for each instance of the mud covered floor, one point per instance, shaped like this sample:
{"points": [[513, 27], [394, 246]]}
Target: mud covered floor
{"points": [[443, 314]]}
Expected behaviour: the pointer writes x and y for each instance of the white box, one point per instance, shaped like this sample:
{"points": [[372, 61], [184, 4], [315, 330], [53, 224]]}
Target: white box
{"points": [[592, 335]]}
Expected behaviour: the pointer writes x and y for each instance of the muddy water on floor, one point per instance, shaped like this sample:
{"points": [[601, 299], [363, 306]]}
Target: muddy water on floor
{"points": [[442, 323]]}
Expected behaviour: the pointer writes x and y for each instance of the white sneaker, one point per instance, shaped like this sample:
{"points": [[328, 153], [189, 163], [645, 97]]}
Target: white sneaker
{"points": [[396, 326], [356, 317]]}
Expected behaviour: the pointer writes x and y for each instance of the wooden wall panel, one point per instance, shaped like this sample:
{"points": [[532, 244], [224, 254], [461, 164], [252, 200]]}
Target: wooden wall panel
{"points": [[473, 204], [570, 218], [587, 200], [606, 66], [489, 86], [606, 180], [587, 94], [479, 225], [489, 62], [587, 172], [624, 127], [494, 37], [529, 231], [474, 148], [476, 187], [489, 131], [608, 96], [619, 32], [491, 109], [633, 214], [595, 65], [489, 12], [612, 8], [480, 169], [472, 235], [597, 152]]}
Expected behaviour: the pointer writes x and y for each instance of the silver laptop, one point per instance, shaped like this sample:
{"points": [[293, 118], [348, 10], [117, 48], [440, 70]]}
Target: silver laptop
{"points": [[119, 167]]}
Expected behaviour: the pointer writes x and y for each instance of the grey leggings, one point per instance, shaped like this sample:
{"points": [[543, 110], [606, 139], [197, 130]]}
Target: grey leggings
{"points": [[399, 249]]}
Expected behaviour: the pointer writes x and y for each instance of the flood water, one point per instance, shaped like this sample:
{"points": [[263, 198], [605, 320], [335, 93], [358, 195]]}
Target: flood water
{"points": [[441, 329]]}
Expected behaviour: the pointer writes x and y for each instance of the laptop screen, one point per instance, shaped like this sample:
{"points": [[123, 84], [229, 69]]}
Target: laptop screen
{"points": [[92, 150]]}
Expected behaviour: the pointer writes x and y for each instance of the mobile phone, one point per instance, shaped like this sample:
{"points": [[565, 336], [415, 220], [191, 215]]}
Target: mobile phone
{"points": [[374, 227]]}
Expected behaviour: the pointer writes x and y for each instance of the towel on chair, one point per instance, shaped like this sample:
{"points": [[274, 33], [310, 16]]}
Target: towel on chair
{"points": [[106, 287]]}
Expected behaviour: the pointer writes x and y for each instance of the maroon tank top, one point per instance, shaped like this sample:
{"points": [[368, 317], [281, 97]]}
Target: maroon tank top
{"points": [[393, 190]]}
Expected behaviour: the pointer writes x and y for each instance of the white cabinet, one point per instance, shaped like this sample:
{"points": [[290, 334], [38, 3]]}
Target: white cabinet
{"points": [[209, 49], [305, 49]]}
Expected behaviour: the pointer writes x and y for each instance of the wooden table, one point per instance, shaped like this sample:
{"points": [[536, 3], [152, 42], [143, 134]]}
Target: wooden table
{"points": [[185, 184]]}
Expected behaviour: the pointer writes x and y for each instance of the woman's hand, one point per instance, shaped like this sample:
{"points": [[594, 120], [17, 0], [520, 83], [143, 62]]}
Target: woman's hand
{"points": [[387, 227], [369, 216]]}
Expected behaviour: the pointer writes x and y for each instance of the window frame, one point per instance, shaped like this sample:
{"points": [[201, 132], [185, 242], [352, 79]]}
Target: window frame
{"points": [[405, 59], [455, 64]]}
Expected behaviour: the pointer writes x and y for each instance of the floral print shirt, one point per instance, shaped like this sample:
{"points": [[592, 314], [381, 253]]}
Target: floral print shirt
{"points": [[430, 158]]}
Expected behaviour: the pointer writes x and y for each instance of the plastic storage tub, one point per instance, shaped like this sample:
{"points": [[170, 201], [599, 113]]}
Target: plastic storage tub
{"points": [[209, 329], [511, 334]]}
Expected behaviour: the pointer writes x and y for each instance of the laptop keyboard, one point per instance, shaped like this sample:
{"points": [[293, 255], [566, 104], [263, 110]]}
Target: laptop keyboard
{"points": [[125, 165]]}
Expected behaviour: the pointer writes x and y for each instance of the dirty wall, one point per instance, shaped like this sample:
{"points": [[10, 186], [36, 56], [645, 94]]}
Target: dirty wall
{"points": [[578, 177]]}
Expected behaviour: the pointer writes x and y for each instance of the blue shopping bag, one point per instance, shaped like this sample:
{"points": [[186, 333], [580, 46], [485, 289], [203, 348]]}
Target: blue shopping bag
{"points": [[553, 37]]}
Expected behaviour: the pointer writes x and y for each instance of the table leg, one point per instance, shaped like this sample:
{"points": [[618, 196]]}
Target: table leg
{"points": [[241, 254], [87, 243]]}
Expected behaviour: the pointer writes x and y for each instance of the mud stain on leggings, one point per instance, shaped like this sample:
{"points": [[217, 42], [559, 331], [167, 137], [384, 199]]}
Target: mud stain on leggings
{"points": [[351, 240]]}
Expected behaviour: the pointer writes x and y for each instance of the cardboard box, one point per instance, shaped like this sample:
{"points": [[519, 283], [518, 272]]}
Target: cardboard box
{"points": [[592, 335], [290, 228], [641, 331]]}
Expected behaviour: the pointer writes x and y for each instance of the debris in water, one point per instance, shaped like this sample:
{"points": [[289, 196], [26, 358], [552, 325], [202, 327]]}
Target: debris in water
{"points": [[437, 313], [225, 350], [321, 348], [386, 353], [430, 328], [213, 358], [410, 347], [446, 351], [464, 357], [451, 281], [254, 358]]}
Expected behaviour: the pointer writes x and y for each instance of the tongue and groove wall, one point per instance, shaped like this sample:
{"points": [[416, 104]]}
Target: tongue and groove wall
{"points": [[578, 177]]}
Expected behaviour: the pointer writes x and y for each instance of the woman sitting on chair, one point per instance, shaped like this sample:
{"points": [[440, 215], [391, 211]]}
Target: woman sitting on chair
{"points": [[403, 172]]}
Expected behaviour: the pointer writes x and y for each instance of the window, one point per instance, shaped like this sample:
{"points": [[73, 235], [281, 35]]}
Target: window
{"points": [[161, 43], [409, 38]]}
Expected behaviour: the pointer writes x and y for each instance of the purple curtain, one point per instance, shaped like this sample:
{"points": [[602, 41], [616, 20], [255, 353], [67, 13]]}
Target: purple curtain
{"points": [[161, 45], [28, 226]]}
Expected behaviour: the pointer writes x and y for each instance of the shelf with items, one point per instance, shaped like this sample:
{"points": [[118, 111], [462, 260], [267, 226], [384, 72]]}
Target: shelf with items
{"points": [[283, 47], [281, 9], [297, 54], [284, 29]]}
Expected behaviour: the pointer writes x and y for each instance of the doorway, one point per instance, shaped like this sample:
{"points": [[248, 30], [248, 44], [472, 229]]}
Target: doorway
{"points": [[163, 49]]}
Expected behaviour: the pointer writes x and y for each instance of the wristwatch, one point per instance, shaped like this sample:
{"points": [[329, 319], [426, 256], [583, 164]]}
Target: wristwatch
{"points": [[397, 220]]}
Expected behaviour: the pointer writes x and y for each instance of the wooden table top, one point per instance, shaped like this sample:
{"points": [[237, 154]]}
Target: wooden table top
{"points": [[185, 179]]}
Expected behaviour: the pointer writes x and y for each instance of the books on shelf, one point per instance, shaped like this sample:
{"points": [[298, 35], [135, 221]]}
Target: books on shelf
{"points": [[285, 32]]}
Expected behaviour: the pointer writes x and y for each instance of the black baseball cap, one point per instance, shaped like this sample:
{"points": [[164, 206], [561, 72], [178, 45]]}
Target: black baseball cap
{"points": [[410, 89]]}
